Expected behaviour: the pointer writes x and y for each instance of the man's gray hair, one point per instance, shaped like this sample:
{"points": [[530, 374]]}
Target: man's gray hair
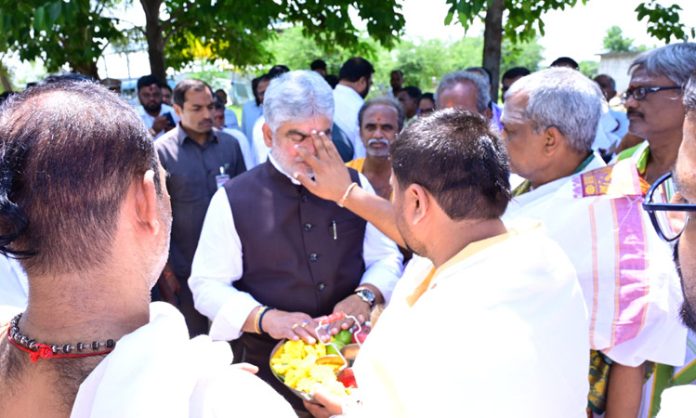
{"points": [[565, 99], [690, 95], [459, 77], [383, 101], [675, 61], [297, 95]]}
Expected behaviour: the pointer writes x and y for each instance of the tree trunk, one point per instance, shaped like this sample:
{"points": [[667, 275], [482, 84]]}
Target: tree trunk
{"points": [[155, 38], [86, 68], [5, 78], [492, 43]]}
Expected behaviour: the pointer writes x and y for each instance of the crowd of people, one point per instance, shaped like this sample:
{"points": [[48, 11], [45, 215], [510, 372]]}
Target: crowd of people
{"points": [[531, 258]]}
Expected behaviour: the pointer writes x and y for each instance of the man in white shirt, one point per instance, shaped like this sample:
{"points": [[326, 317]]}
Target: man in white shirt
{"points": [[157, 116], [354, 81], [593, 212], [271, 256], [231, 121], [14, 289], [253, 109], [487, 321], [85, 205]]}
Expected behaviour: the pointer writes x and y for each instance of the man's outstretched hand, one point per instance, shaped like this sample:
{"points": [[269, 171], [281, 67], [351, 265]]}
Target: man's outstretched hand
{"points": [[331, 178]]}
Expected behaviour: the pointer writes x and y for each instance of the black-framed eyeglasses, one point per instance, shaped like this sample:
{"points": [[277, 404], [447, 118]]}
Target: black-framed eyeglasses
{"points": [[639, 93], [669, 219]]}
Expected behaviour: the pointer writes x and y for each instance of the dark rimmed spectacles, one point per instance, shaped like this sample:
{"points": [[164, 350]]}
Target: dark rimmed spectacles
{"points": [[669, 219], [639, 93]]}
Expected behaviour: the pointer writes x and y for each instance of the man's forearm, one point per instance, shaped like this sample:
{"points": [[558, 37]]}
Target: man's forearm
{"points": [[376, 210], [624, 391]]}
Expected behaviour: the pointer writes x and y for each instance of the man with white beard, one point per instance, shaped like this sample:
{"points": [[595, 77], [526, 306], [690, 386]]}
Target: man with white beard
{"points": [[380, 122]]}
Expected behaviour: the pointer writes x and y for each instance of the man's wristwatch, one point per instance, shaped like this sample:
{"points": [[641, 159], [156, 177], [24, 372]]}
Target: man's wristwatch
{"points": [[366, 295]]}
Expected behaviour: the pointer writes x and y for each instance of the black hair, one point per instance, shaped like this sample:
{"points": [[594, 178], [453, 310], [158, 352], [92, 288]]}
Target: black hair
{"points": [[332, 80], [453, 154], [355, 68], [148, 80], [565, 62], [179, 93], [428, 95], [515, 72], [277, 70], [317, 64], [69, 151], [413, 92]]}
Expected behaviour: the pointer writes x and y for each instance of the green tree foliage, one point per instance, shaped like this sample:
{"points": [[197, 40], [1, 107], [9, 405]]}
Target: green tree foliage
{"points": [[236, 30], [292, 48], [521, 54], [58, 32], [177, 32], [664, 22], [524, 22], [589, 68], [423, 62], [614, 41]]}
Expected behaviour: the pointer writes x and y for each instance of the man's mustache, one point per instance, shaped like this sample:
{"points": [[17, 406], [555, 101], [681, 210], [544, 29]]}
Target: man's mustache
{"points": [[373, 141], [630, 113]]}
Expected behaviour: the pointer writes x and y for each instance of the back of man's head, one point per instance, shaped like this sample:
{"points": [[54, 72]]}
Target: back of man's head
{"points": [[451, 80], [317, 64], [561, 98], [277, 70], [148, 80], [676, 62], [565, 62], [413, 92], [69, 151], [183, 86], [297, 95], [455, 157], [356, 68], [483, 72], [515, 72]]}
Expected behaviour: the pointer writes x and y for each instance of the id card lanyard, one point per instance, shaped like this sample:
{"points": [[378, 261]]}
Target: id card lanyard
{"points": [[221, 178]]}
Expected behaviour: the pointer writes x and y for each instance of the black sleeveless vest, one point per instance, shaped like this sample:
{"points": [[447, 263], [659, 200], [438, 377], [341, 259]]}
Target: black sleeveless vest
{"points": [[300, 253]]}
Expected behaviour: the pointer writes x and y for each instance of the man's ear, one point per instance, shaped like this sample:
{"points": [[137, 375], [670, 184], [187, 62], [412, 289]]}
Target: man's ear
{"points": [[488, 113], [267, 135], [362, 82], [147, 205], [416, 203], [553, 139], [178, 109]]}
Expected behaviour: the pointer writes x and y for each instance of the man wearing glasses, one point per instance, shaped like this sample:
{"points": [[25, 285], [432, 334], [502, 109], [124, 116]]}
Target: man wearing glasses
{"points": [[654, 106], [670, 203]]}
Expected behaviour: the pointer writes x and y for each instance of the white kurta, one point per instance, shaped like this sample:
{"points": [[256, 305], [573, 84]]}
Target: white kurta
{"points": [[14, 289], [678, 402], [148, 120], [675, 400], [626, 272], [347, 104], [501, 332], [157, 371]]}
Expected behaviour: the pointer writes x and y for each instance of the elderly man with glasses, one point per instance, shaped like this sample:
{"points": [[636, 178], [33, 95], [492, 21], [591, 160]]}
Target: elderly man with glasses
{"points": [[670, 203], [654, 106]]}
